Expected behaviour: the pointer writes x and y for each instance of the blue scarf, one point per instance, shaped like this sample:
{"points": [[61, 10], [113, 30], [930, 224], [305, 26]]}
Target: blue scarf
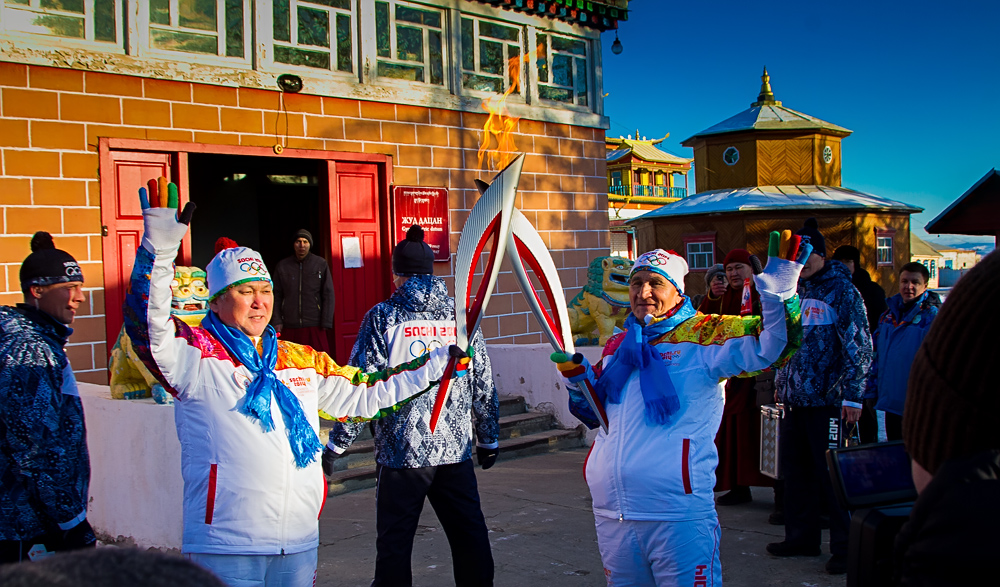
{"points": [[637, 352], [257, 402]]}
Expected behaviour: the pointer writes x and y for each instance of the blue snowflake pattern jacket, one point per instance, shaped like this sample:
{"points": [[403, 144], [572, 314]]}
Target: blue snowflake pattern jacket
{"points": [[832, 364], [403, 440], [44, 465], [896, 340]]}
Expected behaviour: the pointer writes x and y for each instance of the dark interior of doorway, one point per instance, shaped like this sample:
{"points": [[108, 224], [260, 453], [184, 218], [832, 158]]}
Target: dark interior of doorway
{"points": [[260, 202]]}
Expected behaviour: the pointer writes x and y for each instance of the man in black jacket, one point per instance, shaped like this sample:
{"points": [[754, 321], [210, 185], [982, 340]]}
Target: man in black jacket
{"points": [[303, 296]]}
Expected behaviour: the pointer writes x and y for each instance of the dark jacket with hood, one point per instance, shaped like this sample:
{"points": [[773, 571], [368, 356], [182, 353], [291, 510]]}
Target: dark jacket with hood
{"points": [[400, 328], [303, 293], [44, 464], [873, 296]]}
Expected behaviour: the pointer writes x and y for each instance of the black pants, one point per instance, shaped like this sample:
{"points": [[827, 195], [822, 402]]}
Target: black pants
{"points": [[15, 551], [893, 426], [454, 495], [806, 434]]}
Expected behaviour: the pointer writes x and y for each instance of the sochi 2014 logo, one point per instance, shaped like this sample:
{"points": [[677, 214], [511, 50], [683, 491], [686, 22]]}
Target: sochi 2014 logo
{"points": [[253, 268]]}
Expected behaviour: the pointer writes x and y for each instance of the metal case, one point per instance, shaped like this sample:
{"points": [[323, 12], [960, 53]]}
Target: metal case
{"points": [[771, 416]]}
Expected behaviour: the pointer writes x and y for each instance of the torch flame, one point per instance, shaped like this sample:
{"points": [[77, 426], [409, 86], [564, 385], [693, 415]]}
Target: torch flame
{"points": [[500, 125]]}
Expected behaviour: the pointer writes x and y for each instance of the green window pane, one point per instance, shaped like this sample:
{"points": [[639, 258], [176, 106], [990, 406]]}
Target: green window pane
{"points": [[314, 27], [562, 70], [490, 57], [105, 25], [409, 44], [569, 45], [542, 61], [345, 49], [437, 58], [382, 31], [280, 13], [417, 16], [186, 42], [342, 4], [468, 48], [496, 31], [581, 82], [159, 11], [198, 14], [22, 2], [482, 83], [60, 26], [413, 73], [234, 28], [557, 94], [514, 52], [64, 5], [292, 56]]}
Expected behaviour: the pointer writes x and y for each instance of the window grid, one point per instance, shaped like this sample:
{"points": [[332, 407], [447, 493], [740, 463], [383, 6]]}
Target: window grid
{"points": [[409, 43], [319, 34], [884, 250], [700, 255], [562, 68], [88, 21], [487, 49], [216, 28]]}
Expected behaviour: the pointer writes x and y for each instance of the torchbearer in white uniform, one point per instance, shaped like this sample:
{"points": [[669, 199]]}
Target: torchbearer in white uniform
{"points": [[247, 408]]}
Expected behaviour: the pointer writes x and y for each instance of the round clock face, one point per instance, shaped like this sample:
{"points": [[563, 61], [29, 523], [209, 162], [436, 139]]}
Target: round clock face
{"points": [[731, 156], [827, 154]]}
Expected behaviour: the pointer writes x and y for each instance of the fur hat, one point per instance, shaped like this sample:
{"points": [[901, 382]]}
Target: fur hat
{"points": [[47, 265], [717, 269], [952, 405], [667, 263], [412, 256], [848, 253], [811, 229], [737, 256], [234, 266]]}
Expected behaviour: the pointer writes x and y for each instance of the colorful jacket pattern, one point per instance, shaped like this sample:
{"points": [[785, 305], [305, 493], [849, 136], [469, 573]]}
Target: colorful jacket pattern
{"points": [[403, 441]]}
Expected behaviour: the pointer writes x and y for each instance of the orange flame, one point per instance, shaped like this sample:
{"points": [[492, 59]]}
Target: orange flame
{"points": [[500, 125]]}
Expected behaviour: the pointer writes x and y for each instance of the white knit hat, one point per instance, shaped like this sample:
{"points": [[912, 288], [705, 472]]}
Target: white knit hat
{"points": [[235, 266], [667, 263]]}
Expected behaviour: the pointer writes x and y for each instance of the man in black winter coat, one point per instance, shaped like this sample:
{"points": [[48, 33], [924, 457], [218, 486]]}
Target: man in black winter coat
{"points": [[303, 296]]}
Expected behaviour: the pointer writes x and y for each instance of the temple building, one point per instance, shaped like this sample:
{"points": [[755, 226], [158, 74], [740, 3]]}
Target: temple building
{"points": [[278, 115], [770, 168]]}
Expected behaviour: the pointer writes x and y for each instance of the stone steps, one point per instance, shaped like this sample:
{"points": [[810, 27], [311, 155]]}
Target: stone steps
{"points": [[522, 433]]}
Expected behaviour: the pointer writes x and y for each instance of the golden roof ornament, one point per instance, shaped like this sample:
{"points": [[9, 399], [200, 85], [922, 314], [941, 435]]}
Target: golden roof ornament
{"points": [[766, 96]]}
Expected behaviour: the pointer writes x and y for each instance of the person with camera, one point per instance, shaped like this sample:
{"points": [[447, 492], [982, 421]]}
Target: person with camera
{"points": [[822, 384], [44, 464]]}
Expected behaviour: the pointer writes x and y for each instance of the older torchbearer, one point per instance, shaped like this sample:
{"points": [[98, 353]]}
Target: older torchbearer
{"points": [[662, 386], [247, 407]]}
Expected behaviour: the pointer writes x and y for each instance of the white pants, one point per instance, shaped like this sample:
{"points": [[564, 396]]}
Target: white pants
{"points": [[257, 570], [660, 554]]}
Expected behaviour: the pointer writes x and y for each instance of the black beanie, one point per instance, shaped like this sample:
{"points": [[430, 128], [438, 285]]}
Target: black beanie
{"points": [[303, 233], [952, 405], [811, 229], [848, 253], [412, 256], [47, 265]]}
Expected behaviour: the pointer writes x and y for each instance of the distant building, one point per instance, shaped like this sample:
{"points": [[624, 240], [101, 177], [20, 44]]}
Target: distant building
{"points": [[923, 252], [641, 178], [769, 168], [976, 212]]}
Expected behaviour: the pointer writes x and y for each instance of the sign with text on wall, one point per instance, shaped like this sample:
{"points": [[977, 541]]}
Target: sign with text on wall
{"points": [[427, 207]]}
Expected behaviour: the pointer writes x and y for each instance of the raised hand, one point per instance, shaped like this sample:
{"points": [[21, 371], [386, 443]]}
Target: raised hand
{"points": [[786, 254], [163, 229], [575, 369]]}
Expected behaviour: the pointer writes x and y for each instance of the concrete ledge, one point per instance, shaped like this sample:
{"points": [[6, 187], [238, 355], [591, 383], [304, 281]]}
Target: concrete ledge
{"points": [[136, 489]]}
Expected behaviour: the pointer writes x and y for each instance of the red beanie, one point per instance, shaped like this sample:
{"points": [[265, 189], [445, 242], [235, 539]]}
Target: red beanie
{"points": [[738, 256]]}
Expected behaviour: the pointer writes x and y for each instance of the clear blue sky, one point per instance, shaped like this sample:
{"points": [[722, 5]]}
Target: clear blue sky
{"points": [[918, 83]]}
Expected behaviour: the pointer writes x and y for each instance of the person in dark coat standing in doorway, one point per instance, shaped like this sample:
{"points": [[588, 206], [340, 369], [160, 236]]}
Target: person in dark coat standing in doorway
{"points": [[303, 296]]}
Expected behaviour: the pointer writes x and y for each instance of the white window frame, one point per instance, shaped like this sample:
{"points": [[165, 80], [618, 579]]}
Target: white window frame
{"points": [[264, 16], [549, 53], [883, 248], [143, 39], [88, 42], [692, 255], [370, 50], [521, 38]]}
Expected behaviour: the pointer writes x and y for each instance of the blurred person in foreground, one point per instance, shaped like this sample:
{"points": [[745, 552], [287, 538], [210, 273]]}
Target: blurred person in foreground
{"points": [[951, 429]]}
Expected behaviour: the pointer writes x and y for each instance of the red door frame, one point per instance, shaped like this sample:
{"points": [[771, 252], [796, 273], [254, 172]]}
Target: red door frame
{"points": [[106, 145]]}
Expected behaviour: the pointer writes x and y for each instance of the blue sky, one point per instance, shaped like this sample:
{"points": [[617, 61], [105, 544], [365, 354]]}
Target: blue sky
{"points": [[916, 81]]}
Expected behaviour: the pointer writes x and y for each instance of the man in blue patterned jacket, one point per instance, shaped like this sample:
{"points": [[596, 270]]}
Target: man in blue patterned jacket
{"points": [[44, 465], [821, 385], [412, 462]]}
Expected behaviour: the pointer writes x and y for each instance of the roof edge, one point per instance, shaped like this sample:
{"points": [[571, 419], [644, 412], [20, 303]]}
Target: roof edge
{"points": [[940, 217]]}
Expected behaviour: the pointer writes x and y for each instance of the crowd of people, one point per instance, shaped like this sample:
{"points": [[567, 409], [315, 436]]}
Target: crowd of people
{"points": [[679, 388]]}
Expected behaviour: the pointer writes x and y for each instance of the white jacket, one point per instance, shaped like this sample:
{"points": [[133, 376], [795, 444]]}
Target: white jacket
{"points": [[243, 493], [667, 473]]}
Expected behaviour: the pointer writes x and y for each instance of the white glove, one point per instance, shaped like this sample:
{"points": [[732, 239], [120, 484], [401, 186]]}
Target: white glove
{"points": [[780, 278], [162, 233]]}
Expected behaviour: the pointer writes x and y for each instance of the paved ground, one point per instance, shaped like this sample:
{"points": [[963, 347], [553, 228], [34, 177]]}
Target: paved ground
{"points": [[542, 531]]}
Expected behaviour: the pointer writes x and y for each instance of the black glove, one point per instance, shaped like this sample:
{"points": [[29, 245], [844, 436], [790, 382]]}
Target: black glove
{"points": [[79, 536], [487, 456], [329, 456]]}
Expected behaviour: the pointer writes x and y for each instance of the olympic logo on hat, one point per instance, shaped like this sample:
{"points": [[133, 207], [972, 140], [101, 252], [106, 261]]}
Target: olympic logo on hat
{"points": [[253, 268], [73, 271]]}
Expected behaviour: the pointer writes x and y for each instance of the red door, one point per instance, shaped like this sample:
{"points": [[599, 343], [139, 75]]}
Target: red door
{"points": [[355, 239], [121, 217]]}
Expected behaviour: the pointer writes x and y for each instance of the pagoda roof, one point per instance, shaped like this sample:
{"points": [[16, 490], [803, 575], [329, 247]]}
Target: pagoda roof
{"points": [[598, 14], [645, 150], [773, 198], [920, 247], [767, 114]]}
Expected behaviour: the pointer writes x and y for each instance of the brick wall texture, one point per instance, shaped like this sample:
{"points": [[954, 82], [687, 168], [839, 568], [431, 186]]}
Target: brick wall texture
{"points": [[51, 119]]}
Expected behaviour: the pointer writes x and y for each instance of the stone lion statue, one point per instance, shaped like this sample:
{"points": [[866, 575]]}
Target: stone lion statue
{"points": [[603, 304]]}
